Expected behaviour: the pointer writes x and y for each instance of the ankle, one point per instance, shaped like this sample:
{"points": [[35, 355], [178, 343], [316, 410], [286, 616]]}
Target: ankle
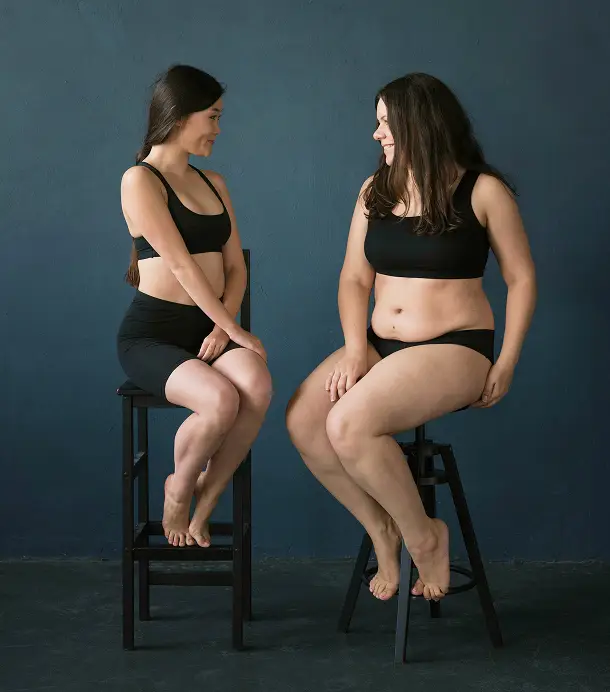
{"points": [[180, 488], [426, 542]]}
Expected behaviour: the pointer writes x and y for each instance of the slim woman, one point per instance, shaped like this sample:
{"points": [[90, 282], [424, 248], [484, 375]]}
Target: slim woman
{"points": [[179, 338], [420, 236]]}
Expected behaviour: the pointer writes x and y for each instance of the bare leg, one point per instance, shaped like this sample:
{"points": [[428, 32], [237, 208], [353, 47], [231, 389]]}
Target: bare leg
{"points": [[214, 400], [404, 390], [306, 421], [250, 377]]}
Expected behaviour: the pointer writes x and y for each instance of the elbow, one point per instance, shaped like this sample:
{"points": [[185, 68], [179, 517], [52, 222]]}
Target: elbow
{"points": [[180, 266], [524, 282], [351, 282]]}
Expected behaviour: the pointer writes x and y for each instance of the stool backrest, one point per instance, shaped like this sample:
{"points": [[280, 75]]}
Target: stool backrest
{"points": [[244, 312]]}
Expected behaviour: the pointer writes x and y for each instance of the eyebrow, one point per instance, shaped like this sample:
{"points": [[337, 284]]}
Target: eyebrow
{"points": [[216, 110]]}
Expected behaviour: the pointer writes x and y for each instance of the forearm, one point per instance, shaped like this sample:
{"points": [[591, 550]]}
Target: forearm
{"points": [[520, 305], [353, 312], [195, 283], [235, 287]]}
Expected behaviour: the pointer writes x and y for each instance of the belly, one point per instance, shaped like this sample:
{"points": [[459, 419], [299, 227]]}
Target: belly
{"points": [[157, 280], [420, 309]]}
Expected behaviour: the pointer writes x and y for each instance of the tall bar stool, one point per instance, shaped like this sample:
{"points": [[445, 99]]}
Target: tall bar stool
{"points": [[236, 535], [420, 456]]}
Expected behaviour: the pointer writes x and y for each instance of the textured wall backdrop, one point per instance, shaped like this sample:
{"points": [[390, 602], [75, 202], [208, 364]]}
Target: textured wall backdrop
{"points": [[296, 145]]}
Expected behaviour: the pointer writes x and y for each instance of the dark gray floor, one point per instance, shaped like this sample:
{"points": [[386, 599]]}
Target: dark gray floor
{"points": [[60, 630]]}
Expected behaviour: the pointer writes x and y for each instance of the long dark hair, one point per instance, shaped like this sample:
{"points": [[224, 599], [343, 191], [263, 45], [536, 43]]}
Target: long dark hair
{"points": [[433, 138], [177, 93]]}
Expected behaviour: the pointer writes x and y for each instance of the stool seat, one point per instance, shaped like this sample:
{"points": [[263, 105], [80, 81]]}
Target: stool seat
{"points": [[129, 388]]}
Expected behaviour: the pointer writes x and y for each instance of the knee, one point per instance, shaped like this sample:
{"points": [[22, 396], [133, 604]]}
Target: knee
{"points": [[345, 431], [301, 422], [221, 406], [257, 390]]}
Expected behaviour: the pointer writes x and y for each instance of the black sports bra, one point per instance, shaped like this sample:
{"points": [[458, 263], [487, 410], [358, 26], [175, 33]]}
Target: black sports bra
{"points": [[201, 232], [392, 248]]}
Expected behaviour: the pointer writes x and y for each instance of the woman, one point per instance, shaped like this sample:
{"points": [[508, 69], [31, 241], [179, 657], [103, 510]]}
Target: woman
{"points": [[179, 338], [420, 233]]}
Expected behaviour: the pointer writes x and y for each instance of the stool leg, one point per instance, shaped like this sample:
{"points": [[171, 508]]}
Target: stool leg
{"points": [[422, 467], [128, 525], [355, 583], [248, 537], [428, 495], [238, 559], [470, 539], [143, 514], [404, 606]]}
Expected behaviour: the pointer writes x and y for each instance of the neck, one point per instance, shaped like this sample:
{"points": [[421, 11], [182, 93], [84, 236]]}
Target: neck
{"points": [[169, 157]]}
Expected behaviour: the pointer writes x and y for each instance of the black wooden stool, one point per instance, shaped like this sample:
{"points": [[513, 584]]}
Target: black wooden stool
{"points": [[137, 546], [420, 456]]}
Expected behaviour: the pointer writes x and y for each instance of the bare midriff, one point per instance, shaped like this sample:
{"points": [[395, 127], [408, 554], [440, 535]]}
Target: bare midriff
{"points": [[414, 309], [157, 280]]}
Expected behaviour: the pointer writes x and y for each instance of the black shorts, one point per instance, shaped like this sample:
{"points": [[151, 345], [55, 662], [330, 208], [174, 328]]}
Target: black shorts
{"points": [[156, 336]]}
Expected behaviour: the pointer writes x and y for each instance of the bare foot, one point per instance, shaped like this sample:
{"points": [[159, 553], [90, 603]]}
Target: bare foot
{"points": [[175, 517], [199, 527], [418, 589], [432, 560], [387, 550]]}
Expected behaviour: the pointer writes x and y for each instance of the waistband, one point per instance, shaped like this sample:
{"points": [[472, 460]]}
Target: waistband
{"points": [[147, 299]]}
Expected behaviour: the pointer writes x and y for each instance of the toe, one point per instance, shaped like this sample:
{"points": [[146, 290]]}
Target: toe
{"points": [[182, 540], [190, 540], [198, 539]]}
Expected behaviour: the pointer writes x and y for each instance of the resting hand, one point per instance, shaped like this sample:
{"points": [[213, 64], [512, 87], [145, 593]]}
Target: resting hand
{"points": [[347, 371], [213, 344], [497, 385]]}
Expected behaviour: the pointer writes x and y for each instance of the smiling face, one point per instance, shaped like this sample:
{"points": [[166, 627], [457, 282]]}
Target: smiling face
{"points": [[382, 134], [199, 130]]}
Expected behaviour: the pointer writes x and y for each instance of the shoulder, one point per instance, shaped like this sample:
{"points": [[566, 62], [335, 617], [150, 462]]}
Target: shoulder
{"points": [[139, 178], [363, 190], [139, 186], [488, 189], [366, 184]]}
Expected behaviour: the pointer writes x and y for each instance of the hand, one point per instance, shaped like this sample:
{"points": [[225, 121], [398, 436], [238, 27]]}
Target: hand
{"points": [[498, 382], [249, 341], [213, 344], [345, 374]]}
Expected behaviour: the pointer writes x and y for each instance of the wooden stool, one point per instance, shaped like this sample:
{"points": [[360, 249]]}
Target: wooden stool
{"points": [[420, 456]]}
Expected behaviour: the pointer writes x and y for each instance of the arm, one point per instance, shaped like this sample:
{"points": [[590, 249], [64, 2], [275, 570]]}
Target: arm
{"points": [[510, 245], [232, 254], [147, 214], [355, 283]]}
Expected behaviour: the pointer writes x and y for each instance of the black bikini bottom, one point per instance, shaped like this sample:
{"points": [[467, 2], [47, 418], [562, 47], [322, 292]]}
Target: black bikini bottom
{"points": [[479, 340]]}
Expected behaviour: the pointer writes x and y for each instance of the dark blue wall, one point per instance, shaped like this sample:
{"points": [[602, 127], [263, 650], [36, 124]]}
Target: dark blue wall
{"points": [[296, 146]]}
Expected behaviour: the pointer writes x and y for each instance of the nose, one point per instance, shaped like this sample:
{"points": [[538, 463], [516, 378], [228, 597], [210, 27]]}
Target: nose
{"points": [[378, 134]]}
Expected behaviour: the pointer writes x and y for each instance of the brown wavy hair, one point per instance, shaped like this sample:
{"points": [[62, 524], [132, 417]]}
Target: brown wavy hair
{"points": [[177, 93], [433, 139]]}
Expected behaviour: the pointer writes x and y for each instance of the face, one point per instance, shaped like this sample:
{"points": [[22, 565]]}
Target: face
{"points": [[199, 131], [382, 134]]}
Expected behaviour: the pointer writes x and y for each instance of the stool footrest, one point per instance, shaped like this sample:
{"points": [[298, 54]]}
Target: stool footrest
{"points": [[155, 528], [168, 552], [215, 578]]}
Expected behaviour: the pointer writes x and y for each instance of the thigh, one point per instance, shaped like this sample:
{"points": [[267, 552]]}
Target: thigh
{"points": [[416, 385], [311, 402]]}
